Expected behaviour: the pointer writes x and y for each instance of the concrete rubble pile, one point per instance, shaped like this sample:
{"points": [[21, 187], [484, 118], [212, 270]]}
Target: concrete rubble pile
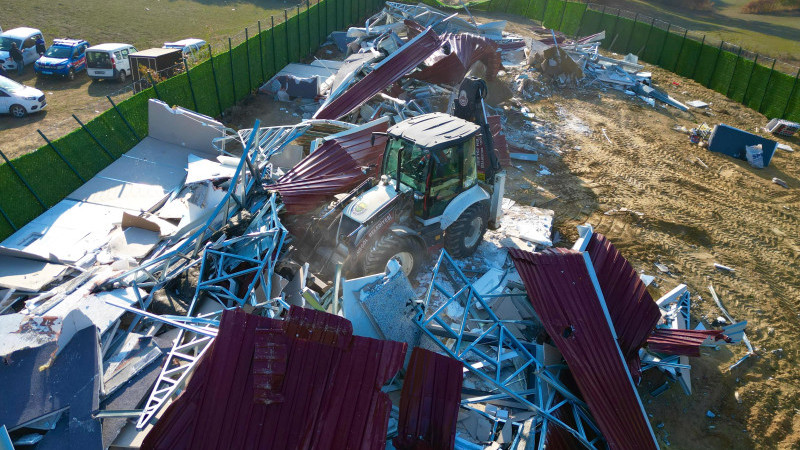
{"points": [[166, 303]]}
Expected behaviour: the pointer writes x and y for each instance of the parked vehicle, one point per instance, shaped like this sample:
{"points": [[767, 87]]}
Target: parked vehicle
{"points": [[65, 57], [161, 63], [25, 38], [109, 61], [19, 100], [190, 47]]}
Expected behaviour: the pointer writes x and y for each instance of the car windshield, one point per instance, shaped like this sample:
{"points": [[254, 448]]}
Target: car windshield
{"points": [[58, 52], [5, 43], [10, 85]]}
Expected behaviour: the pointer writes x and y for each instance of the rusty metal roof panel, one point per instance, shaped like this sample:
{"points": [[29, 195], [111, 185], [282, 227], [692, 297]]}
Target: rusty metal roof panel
{"points": [[324, 394], [563, 294], [457, 54], [337, 166], [429, 401], [680, 342], [391, 69]]}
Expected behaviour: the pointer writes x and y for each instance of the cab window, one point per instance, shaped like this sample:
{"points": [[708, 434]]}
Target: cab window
{"points": [[413, 164], [30, 42], [118, 55], [125, 53]]}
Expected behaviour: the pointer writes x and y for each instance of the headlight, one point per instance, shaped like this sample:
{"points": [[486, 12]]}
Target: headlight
{"points": [[30, 98]]}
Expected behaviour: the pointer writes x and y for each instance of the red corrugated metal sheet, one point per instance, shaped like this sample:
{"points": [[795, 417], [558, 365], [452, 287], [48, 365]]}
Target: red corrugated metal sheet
{"points": [[681, 342], [565, 299], [325, 394], [391, 69], [429, 402], [337, 166], [632, 309], [457, 54], [499, 139]]}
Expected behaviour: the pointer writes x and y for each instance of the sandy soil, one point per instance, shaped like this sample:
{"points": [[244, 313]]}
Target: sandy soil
{"points": [[693, 215]]}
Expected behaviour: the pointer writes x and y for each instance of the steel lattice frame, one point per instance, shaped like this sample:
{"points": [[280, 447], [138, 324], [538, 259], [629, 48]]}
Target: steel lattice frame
{"points": [[506, 349]]}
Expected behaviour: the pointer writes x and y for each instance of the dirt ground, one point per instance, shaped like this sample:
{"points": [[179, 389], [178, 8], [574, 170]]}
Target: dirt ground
{"points": [[606, 150]]}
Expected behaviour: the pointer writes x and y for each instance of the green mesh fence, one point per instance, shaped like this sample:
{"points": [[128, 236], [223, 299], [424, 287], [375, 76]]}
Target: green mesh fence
{"points": [[609, 24], [757, 87], [205, 90], [778, 92], [315, 22], [723, 75], [705, 64], [518, 7], [553, 14], [305, 29], [536, 9], [590, 22], [175, 91], [793, 106], [687, 58], [739, 79], [573, 13], [638, 39], [622, 35], [224, 80], [241, 77]]}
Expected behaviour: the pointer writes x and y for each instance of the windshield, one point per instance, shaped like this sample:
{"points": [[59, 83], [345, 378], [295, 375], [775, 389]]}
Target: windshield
{"points": [[58, 52], [99, 60], [5, 43], [10, 85], [413, 164]]}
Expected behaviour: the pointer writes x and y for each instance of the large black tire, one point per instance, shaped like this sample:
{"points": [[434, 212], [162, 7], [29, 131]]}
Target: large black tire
{"points": [[463, 236], [404, 249]]}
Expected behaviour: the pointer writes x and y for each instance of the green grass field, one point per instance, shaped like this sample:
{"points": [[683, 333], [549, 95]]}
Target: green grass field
{"points": [[143, 23], [775, 35]]}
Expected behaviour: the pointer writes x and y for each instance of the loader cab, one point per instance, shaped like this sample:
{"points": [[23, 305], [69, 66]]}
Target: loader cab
{"points": [[433, 156]]}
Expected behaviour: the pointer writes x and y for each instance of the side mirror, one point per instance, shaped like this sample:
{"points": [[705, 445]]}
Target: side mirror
{"points": [[372, 140]]}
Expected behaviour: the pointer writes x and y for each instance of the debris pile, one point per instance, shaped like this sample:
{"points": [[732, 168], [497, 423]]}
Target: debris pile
{"points": [[278, 277]]}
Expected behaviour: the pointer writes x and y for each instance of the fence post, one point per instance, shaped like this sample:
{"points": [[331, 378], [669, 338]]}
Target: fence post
{"points": [[663, 44], [749, 78], [299, 35], [24, 181], [735, 65], [233, 76], [153, 83], [789, 98], [286, 33], [580, 22], [94, 138], [308, 25], [616, 34], [563, 13], [261, 53], [274, 52], [216, 83], [697, 60], [247, 49], [647, 37], [130, 127], [630, 35], [714, 67], [189, 79], [544, 10], [675, 66], [60, 155], [8, 219], [769, 77]]}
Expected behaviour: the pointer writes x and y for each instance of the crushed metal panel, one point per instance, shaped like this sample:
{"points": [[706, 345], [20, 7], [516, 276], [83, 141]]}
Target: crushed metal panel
{"points": [[681, 342], [329, 389], [563, 294], [383, 74], [429, 401], [457, 54]]}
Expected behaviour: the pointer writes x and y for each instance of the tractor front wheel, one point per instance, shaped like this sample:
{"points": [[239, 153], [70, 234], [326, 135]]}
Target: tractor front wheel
{"points": [[463, 236], [391, 246]]}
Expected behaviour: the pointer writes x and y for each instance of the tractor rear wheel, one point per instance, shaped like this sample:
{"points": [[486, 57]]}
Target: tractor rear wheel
{"points": [[463, 236], [391, 246]]}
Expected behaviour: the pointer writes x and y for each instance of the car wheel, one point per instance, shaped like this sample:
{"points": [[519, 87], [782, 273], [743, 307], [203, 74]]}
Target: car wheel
{"points": [[121, 76], [18, 111], [463, 236], [71, 74]]}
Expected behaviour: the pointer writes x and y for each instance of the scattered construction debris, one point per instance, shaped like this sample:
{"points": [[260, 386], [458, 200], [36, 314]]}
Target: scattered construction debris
{"points": [[279, 278]]}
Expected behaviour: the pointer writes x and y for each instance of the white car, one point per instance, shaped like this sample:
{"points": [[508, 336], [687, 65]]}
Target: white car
{"points": [[109, 61], [191, 47], [20, 100], [25, 38]]}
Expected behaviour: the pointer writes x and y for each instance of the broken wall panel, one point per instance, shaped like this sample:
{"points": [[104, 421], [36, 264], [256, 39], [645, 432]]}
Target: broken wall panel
{"points": [[457, 54], [562, 293], [328, 395], [383, 74]]}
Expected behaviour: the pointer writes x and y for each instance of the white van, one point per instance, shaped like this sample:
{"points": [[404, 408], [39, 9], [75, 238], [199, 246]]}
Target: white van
{"points": [[19, 100], [25, 38], [190, 47], [109, 61]]}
